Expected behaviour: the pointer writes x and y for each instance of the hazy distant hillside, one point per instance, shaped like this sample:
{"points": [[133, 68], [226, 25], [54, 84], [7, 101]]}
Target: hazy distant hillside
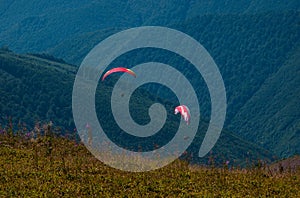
{"points": [[247, 49], [35, 26], [259, 63], [240, 7], [74, 49], [260, 67]]}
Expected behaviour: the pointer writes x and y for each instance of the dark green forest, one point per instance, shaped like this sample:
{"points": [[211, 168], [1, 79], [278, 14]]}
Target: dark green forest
{"points": [[251, 50], [46, 87], [36, 89], [255, 45]]}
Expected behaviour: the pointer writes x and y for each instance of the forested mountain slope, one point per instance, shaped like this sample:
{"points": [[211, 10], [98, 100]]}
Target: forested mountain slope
{"points": [[38, 88], [35, 26]]}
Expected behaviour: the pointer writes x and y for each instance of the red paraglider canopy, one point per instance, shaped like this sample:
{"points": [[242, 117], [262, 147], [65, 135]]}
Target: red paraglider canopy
{"points": [[118, 69]]}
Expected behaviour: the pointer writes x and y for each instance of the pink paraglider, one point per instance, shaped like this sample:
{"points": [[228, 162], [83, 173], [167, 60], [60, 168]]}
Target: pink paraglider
{"points": [[185, 113]]}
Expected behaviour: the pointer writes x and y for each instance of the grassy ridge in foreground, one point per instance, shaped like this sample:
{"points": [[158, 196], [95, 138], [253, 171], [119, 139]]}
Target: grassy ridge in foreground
{"points": [[59, 167]]}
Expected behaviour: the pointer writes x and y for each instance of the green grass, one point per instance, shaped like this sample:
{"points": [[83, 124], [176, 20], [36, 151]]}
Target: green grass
{"points": [[55, 167]]}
